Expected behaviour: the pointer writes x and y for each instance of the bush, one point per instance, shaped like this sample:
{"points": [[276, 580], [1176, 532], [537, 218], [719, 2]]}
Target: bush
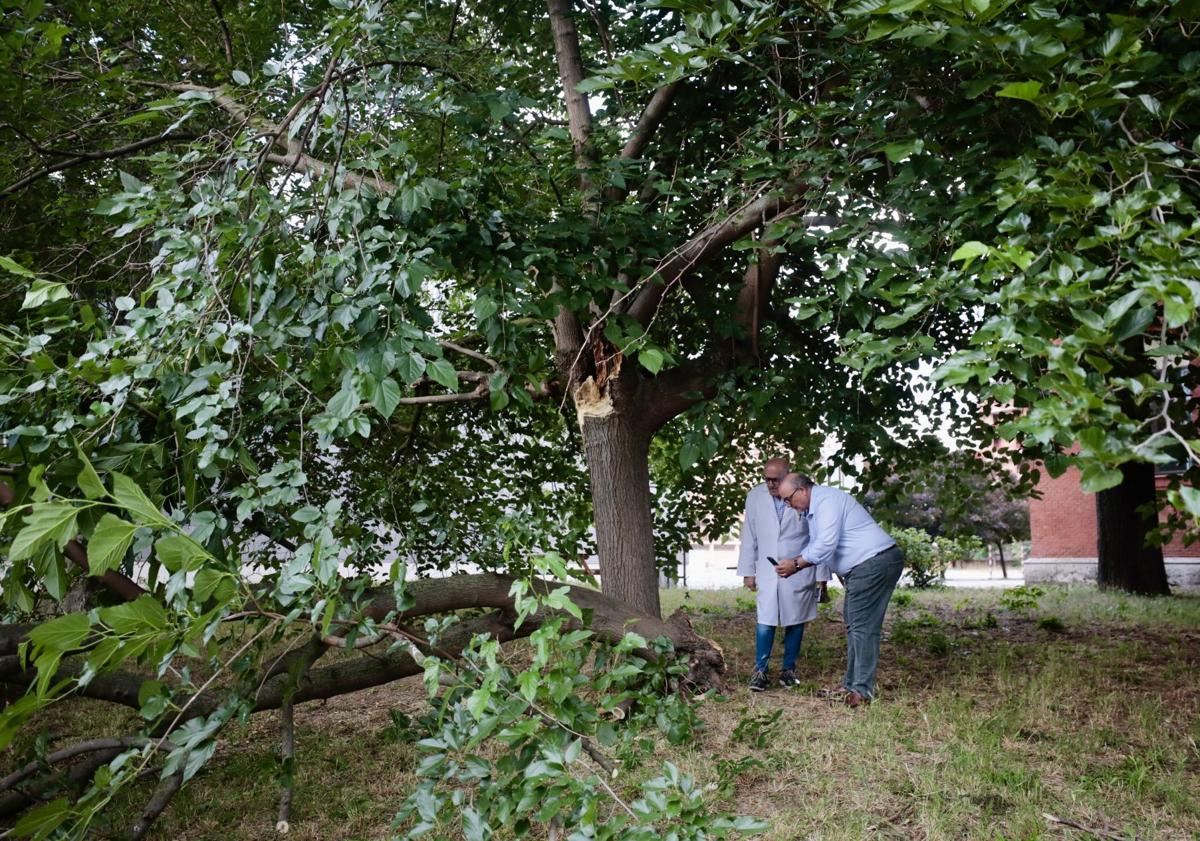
{"points": [[927, 558]]}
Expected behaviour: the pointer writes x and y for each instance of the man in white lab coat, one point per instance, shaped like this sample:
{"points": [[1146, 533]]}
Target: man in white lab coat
{"points": [[773, 530]]}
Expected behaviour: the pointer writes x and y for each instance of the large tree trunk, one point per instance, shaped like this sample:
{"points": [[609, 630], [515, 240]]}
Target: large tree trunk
{"points": [[1125, 561], [617, 448]]}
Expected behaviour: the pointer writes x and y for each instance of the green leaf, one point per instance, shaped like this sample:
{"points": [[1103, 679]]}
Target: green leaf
{"points": [[881, 28], [11, 265], [652, 359], [130, 497], [1177, 310], [108, 544], [1112, 40], [41, 822], [1097, 477], [212, 583], [1028, 91], [485, 307], [689, 454], [179, 552], [343, 404], [44, 292], [443, 373], [88, 479], [968, 251], [896, 152], [1190, 497], [239, 77], [386, 397], [145, 615], [48, 563], [50, 521], [410, 367], [61, 634], [593, 83], [1122, 305]]}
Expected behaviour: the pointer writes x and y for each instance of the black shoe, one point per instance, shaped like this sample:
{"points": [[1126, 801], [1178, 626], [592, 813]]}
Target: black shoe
{"points": [[787, 678], [758, 683]]}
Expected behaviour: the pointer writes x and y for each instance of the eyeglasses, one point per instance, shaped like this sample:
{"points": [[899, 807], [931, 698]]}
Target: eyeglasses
{"points": [[788, 498], [773, 480]]}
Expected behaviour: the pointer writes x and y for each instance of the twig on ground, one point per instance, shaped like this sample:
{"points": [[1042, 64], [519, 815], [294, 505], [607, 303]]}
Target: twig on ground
{"points": [[1099, 833]]}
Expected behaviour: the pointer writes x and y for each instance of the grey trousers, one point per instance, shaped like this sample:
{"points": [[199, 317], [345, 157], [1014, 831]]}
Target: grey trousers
{"points": [[869, 587]]}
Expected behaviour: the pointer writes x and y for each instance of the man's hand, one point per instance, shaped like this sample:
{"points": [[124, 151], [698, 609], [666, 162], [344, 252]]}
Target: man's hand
{"points": [[750, 583], [790, 566]]}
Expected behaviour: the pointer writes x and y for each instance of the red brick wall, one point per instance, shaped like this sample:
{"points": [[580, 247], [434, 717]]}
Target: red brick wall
{"points": [[1062, 523]]}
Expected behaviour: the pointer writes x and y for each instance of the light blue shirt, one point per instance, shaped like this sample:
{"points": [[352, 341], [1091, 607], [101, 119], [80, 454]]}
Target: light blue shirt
{"points": [[841, 533]]}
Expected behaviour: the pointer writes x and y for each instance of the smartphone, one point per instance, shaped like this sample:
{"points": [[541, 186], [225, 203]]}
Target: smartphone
{"points": [[773, 561]]}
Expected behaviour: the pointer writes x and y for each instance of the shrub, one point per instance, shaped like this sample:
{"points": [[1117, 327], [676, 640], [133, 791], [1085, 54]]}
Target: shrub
{"points": [[927, 558]]}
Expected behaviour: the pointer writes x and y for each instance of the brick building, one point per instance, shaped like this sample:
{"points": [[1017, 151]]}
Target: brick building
{"points": [[1062, 527]]}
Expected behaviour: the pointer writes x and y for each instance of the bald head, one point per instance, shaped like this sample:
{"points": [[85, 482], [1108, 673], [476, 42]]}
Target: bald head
{"points": [[774, 469]]}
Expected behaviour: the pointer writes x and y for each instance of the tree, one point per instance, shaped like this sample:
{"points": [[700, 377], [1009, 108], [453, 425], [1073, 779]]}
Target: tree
{"points": [[323, 278], [956, 495], [1090, 252]]}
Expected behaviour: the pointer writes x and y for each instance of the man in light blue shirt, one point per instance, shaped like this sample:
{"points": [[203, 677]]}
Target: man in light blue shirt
{"points": [[845, 539]]}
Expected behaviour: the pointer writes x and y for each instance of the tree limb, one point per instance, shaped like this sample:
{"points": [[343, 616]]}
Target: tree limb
{"points": [[610, 620], [158, 802], [703, 246], [647, 124], [70, 752], [82, 157], [570, 72], [226, 36]]}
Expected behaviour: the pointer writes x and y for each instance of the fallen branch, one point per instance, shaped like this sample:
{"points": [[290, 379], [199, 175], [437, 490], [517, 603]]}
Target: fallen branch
{"points": [[287, 754], [161, 799], [70, 752]]}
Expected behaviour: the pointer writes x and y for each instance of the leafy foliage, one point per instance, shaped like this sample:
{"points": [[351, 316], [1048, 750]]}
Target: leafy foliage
{"points": [[954, 497], [927, 558], [533, 745]]}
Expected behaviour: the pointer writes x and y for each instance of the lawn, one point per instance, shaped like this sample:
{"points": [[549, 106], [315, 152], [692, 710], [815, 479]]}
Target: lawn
{"points": [[1074, 715]]}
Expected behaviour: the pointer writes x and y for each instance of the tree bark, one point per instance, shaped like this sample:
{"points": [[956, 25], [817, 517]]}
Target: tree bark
{"points": [[1003, 568], [617, 448], [1125, 516]]}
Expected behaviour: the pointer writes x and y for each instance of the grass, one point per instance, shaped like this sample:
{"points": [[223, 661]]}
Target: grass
{"points": [[990, 719]]}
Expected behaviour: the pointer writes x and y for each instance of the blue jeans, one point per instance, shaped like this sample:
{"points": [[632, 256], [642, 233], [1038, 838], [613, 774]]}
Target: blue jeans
{"points": [[764, 640], [868, 589]]}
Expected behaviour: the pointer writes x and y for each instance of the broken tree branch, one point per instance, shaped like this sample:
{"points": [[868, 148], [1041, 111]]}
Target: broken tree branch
{"points": [[82, 157], [158, 802]]}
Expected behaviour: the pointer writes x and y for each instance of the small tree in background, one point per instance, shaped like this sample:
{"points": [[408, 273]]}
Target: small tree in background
{"points": [[958, 497]]}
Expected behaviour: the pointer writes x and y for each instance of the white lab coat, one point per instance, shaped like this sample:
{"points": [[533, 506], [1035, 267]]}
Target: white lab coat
{"points": [[781, 601]]}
